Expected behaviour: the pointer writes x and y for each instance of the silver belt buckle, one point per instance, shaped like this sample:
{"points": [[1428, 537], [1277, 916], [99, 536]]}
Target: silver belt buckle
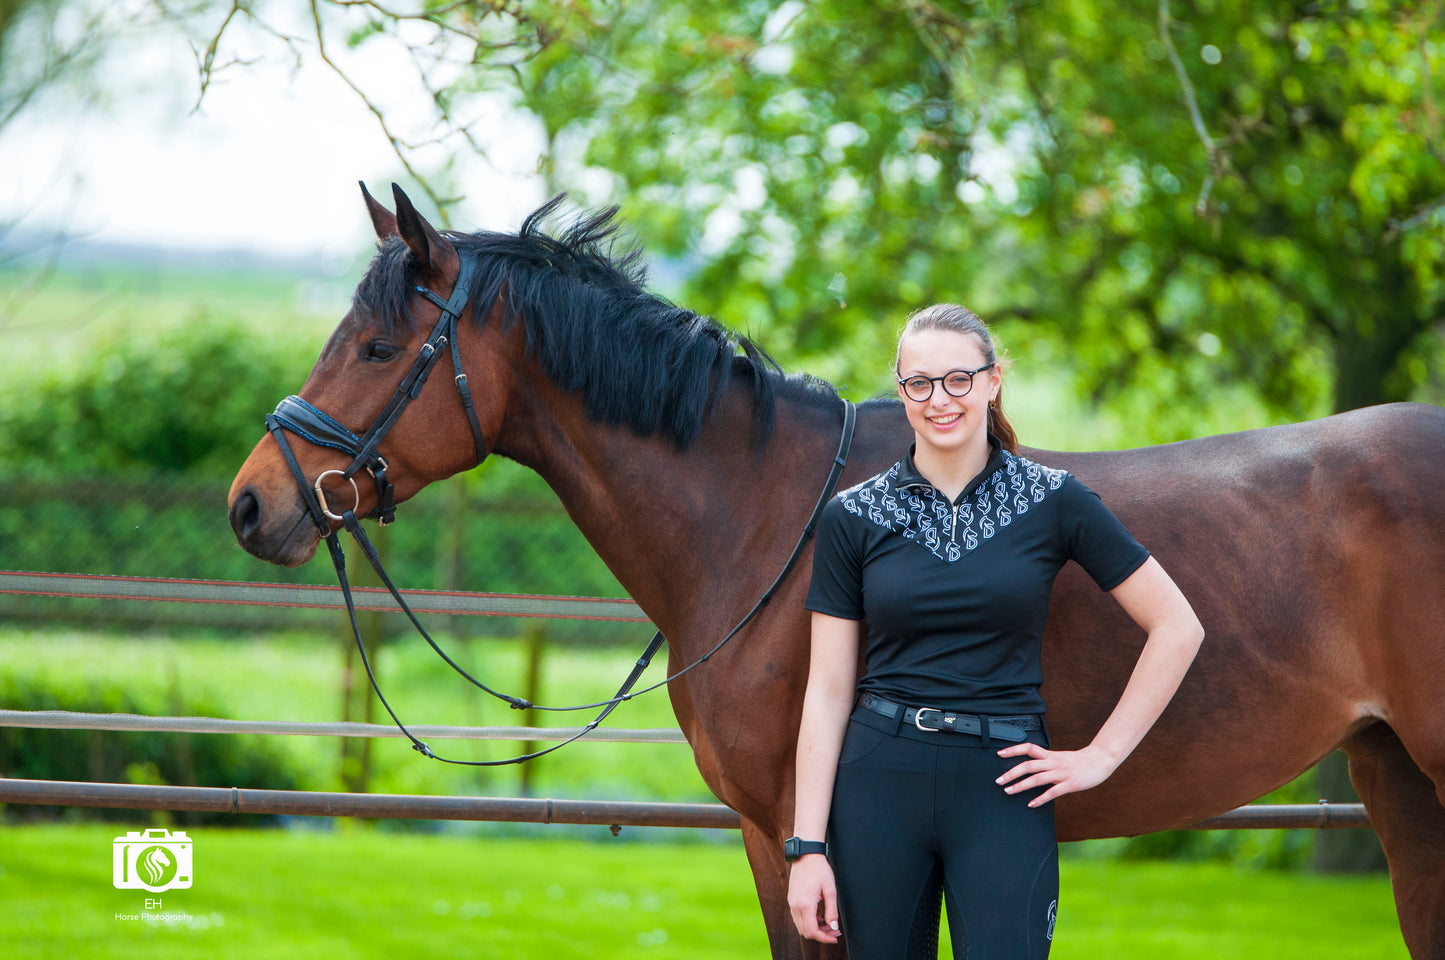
{"points": [[918, 715]]}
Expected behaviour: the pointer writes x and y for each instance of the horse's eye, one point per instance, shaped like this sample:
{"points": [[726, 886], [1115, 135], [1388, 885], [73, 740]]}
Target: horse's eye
{"points": [[380, 350]]}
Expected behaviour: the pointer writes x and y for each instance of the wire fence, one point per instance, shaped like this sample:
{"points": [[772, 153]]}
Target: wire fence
{"points": [[506, 538]]}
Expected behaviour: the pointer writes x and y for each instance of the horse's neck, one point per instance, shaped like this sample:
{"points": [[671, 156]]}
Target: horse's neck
{"points": [[690, 534]]}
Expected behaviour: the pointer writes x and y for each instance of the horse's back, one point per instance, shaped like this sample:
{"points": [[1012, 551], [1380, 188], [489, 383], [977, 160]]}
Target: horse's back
{"points": [[1314, 555], [1390, 436]]}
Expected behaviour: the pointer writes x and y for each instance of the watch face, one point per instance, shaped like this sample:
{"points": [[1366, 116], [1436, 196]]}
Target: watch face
{"points": [[793, 848]]}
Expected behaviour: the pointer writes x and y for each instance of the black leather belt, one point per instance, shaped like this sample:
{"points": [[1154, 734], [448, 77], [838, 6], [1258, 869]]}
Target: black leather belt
{"points": [[933, 720]]}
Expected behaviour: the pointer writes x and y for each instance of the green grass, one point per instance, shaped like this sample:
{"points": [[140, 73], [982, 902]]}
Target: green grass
{"points": [[359, 893]]}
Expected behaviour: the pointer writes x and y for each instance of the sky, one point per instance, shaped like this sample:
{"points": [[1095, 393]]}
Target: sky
{"points": [[269, 162]]}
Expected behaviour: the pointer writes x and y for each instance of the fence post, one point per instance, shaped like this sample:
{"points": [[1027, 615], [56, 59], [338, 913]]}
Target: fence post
{"points": [[536, 640], [356, 758], [449, 543]]}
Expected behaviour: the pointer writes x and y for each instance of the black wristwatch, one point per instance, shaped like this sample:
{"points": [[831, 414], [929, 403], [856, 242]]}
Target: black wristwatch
{"points": [[793, 848]]}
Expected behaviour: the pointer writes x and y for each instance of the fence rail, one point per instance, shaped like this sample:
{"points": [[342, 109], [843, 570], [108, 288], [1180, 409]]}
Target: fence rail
{"points": [[616, 813], [70, 720], [96, 586]]}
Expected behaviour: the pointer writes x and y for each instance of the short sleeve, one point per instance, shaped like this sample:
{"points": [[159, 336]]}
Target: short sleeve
{"points": [[837, 587], [1095, 539]]}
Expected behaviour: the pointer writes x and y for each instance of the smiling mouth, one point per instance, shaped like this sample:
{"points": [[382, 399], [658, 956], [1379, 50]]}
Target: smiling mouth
{"points": [[944, 421]]}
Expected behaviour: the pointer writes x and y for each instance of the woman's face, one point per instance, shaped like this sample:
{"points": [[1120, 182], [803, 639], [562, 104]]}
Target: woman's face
{"points": [[944, 422]]}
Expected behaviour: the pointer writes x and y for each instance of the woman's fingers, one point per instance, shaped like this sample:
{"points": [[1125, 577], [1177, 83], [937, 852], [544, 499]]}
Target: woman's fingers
{"points": [[1020, 749], [1057, 790], [1037, 780], [813, 896]]}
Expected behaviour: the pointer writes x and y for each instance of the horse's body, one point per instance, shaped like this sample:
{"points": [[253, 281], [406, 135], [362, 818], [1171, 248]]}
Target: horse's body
{"points": [[1314, 555]]}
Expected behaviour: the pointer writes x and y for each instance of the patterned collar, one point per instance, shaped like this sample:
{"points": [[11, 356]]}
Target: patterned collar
{"points": [[900, 500], [910, 479]]}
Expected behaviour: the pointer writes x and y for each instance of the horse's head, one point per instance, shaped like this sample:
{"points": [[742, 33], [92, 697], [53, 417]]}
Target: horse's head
{"points": [[396, 324], [553, 330]]}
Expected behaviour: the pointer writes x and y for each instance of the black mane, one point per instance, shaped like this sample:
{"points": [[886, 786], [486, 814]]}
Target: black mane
{"points": [[635, 358]]}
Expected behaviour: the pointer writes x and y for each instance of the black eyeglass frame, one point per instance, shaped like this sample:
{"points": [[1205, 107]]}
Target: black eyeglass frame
{"points": [[941, 382]]}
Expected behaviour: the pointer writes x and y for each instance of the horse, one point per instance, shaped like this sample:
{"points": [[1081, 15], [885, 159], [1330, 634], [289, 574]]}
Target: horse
{"points": [[1313, 553]]}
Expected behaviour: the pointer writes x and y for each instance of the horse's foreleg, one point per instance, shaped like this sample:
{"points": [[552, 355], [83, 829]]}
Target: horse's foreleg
{"points": [[1405, 808], [770, 873]]}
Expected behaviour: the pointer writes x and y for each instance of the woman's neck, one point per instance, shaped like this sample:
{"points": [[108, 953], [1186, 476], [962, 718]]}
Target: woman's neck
{"points": [[950, 471]]}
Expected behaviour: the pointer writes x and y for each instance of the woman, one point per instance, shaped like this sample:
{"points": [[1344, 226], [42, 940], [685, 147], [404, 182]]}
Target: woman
{"points": [[934, 770]]}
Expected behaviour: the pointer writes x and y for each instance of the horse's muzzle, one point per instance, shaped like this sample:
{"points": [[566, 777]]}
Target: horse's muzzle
{"points": [[290, 541]]}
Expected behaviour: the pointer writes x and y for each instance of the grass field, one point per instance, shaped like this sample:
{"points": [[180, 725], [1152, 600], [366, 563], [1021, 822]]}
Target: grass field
{"points": [[363, 893]]}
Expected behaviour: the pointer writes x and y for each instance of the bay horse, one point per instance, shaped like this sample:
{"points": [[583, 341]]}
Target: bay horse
{"points": [[1314, 553]]}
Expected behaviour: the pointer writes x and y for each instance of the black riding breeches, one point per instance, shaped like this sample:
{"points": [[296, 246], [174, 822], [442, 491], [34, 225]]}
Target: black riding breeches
{"points": [[917, 815]]}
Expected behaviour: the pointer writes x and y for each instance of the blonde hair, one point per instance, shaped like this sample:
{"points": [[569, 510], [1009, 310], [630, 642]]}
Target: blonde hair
{"points": [[956, 319]]}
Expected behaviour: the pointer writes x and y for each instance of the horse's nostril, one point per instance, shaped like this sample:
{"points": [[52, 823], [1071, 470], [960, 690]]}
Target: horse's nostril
{"points": [[246, 514]]}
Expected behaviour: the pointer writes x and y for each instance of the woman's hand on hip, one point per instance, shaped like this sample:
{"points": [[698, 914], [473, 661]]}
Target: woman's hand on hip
{"points": [[810, 885], [1067, 770]]}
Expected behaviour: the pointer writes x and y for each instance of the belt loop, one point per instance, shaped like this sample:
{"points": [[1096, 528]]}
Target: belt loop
{"points": [[983, 731], [898, 719]]}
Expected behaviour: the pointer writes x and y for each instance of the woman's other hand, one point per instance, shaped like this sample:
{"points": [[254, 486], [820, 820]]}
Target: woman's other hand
{"points": [[1068, 770], [811, 887]]}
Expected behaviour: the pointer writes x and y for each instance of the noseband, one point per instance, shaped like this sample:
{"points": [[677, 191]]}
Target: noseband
{"points": [[314, 426]]}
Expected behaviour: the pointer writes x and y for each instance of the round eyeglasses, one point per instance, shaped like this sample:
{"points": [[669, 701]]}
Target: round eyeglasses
{"points": [[956, 383]]}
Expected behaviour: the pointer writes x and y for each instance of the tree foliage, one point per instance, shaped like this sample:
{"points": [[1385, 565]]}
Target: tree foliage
{"points": [[1214, 192]]}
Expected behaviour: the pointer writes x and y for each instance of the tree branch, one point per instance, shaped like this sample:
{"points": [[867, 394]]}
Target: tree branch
{"points": [[397, 144], [1397, 227], [1216, 160]]}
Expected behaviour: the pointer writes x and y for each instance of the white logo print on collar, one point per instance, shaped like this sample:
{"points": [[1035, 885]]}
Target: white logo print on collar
{"points": [[926, 517]]}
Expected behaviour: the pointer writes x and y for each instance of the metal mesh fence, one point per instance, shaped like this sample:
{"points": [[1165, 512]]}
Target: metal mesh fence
{"points": [[464, 534]]}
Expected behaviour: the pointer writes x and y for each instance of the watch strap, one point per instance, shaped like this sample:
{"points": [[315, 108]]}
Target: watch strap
{"points": [[793, 848]]}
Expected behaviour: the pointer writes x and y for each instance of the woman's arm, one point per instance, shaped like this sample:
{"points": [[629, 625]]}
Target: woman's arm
{"points": [[832, 678], [1155, 603]]}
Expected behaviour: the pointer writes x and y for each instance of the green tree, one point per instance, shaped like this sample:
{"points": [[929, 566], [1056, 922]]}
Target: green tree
{"points": [[1230, 191]]}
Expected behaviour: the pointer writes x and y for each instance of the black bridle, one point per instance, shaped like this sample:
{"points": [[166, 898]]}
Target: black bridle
{"points": [[311, 424]]}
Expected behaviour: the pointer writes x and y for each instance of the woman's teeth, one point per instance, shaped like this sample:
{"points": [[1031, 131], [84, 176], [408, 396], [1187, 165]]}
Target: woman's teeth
{"points": [[945, 421]]}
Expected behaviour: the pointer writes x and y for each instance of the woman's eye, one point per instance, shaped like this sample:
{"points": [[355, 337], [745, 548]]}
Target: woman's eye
{"points": [[380, 350]]}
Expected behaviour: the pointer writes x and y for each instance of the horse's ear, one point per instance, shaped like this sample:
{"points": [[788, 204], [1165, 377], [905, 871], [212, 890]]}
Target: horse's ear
{"points": [[381, 218], [431, 249]]}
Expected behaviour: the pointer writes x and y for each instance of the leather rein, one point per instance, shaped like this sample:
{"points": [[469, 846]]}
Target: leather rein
{"points": [[300, 417]]}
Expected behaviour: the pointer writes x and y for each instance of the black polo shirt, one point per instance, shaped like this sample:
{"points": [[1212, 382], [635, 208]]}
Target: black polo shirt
{"points": [[955, 592]]}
